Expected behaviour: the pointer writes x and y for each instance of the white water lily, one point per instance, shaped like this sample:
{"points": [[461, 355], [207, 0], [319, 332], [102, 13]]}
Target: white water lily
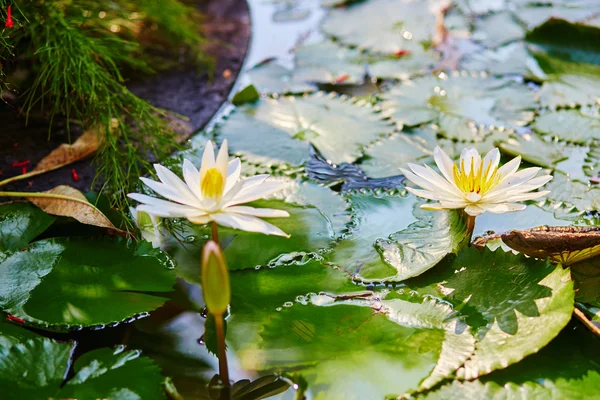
{"points": [[476, 185], [212, 194], [149, 225]]}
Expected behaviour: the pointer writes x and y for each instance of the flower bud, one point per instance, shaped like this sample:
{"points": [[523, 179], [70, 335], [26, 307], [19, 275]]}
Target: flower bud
{"points": [[215, 279]]}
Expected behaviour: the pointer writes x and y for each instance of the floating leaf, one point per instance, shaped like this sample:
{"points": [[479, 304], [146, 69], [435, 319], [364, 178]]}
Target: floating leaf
{"points": [[571, 193], [69, 282], [586, 276], [535, 149], [373, 217], [20, 223], [513, 58], [336, 335], [278, 131], [37, 369], [460, 103], [327, 62], [66, 154], [423, 244], [11, 334], [497, 29], [577, 126], [270, 77], [382, 26], [70, 202], [249, 94], [317, 217], [566, 368], [514, 305], [565, 245]]}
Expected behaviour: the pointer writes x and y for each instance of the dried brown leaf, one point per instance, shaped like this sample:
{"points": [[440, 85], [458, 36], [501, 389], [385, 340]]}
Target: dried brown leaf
{"points": [[65, 154], [70, 202]]}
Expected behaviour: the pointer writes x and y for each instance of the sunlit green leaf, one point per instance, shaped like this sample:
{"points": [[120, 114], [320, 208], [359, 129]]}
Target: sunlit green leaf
{"points": [[577, 126], [20, 223]]}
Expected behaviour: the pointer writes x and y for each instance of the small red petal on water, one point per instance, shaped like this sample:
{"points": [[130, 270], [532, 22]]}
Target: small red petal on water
{"points": [[342, 78], [74, 174], [9, 21], [20, 163], [402, 53], [15, 319], [23, 170]]}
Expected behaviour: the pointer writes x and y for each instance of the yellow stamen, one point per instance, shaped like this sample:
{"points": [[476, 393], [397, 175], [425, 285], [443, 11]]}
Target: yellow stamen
{"points": [[212, 184], [477, 180]]}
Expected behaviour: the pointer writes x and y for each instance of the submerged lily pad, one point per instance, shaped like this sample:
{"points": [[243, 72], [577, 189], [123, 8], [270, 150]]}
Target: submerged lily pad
{"points": [[514, 305], [72, 282], [317, 217], [20, 223], [278, 131], [459, 104], [38, 369]]}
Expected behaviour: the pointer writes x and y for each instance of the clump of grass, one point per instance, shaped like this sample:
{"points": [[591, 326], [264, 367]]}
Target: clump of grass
{"points": [[74, 52]]}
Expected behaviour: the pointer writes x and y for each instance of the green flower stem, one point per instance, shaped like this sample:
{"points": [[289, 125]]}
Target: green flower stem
{"points": [[223, 369], [215, 232], [22, 176]]}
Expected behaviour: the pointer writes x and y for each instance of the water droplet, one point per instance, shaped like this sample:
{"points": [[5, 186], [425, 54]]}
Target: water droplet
{"points": [[201, 340], [190, 239], [288, 304], [278, 309]]}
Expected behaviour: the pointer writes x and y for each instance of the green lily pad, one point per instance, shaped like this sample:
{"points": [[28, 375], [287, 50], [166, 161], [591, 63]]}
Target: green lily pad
{"points": [[567, 192], [576, 126], [514, 305], [317, 217], [382, 26], [511, 59], [556, 12], [459, 104], [37, 369], [278, 131], [327, 62], [566, 368], [11, 334], [423, 244], [497, 29], [65, 283], [335, 335], [374, 216], [535, 149], [20, 223], [270, 77], [586, 275]]}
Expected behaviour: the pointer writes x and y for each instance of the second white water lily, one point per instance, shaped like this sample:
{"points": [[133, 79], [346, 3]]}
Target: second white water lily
{"points": [[474, 184], [212, 194]]}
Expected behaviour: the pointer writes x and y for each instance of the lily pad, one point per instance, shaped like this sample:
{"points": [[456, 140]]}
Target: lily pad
{"points": [[460, 103], [38, 368], [383, 26], [423, 244], [535, 149], [510, 59], [20, 223], [66, 283], [514, 305], [572, 11], [374, 216], [270, 77], [278, 131], [317, 217], [497, 29], [577, 126], [327, 62], [565, 191], [342, 347]]}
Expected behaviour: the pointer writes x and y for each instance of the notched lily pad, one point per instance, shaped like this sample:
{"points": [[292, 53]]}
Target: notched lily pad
{"points": [[65, 283]]}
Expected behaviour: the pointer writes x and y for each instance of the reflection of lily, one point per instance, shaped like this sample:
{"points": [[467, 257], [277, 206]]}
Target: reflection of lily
{"points": [[213, 194], [476, 185]]}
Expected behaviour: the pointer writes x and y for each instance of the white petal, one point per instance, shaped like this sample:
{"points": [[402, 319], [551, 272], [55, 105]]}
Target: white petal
{"points": [[255, 192], [200, 219], [429, 180], [469, 156], [433, 206], [503, 208], [169, 178], [258, 212], [528, 196], [423, 193], [516, 179], [510, 167], [192, 178], [223, 158], [208, 159], [247, 223], [474, 210], [453, 204], [163, 208], [233, 174], [491, 161], [170, 193], [444, 163]]}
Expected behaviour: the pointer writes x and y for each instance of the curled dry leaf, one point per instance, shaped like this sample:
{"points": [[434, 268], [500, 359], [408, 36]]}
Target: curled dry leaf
{"points": [[70, 202], [66, 154], [564, 244]]}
